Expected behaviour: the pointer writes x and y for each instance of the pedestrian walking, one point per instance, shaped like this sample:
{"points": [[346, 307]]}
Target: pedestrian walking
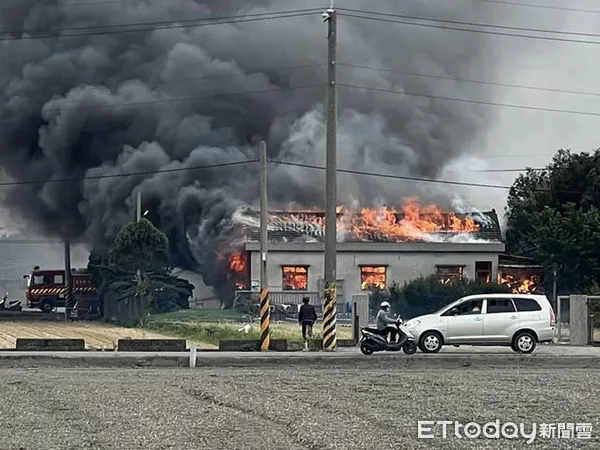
{"points": [[307, 316]]}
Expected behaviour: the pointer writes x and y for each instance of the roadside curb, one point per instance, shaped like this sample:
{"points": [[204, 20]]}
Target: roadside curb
{"points": [[305, 360]]}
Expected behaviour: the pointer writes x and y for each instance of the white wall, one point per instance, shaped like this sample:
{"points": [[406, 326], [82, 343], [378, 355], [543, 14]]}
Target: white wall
{"points": [[403, 266]]}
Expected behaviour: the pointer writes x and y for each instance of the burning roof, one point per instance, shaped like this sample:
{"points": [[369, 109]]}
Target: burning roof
{"points": [[410, 223]]}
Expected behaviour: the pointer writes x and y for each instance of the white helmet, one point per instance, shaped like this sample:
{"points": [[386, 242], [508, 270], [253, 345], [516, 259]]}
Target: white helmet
{"points": [[384, 305]]}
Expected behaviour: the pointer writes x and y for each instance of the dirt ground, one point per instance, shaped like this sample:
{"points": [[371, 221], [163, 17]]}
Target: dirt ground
{"points": [[97, 335], [319, 408]]}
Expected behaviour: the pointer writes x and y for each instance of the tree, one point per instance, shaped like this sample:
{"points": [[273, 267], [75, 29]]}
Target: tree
{"points": [[136, 267], [554, 216], [142, 246]]}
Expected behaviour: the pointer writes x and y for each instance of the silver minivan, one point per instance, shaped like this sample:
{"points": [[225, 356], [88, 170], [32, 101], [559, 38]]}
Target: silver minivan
{"points": [[516, 320]]}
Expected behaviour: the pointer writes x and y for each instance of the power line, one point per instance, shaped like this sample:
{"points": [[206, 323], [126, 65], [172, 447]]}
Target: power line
{"points": [[127, 174], [312, 86], [495, 33], [464, 100], [250, 161], [535, 169], [240, 75], [464, 80], [470, 24], [407, 178], [71, 5], [156, 25], [531, 5], [175, 100], [7, 241]]}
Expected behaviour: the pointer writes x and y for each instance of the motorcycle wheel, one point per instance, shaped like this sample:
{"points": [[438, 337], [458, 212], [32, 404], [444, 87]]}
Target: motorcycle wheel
{"points": [[410, 348], [365, 350]]}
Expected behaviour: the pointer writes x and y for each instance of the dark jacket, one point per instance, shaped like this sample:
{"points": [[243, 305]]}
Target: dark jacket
{"points": [[306, 314]]}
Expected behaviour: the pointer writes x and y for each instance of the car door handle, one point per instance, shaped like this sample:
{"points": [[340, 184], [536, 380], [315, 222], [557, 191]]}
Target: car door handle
{"points": [[513, 317], [477, 319]]}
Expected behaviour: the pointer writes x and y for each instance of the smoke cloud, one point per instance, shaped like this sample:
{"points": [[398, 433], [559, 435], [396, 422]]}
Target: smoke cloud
{"points": [[115, 103]]}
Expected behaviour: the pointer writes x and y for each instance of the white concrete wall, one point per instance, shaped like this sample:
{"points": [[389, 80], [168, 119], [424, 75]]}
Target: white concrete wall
{"points": [[403, 266]]}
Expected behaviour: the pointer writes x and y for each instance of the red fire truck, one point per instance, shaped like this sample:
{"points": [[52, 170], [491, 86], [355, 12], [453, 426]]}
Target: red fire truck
{"points": [[46, 290]]}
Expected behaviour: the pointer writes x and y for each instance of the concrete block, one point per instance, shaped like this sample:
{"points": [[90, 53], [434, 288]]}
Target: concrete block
{"points": [[278, 345], [346, 343], [315, 345], [295, 346], [151, 345], [578, 325], [57, 345], [361, 307], [239, 345]]}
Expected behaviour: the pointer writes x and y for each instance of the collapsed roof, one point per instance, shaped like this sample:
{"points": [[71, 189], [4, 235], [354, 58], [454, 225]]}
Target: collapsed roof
{"points": [[387, 226]]}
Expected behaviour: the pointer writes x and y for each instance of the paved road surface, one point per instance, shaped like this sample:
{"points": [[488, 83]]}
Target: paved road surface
{"points": [[282, 409]]}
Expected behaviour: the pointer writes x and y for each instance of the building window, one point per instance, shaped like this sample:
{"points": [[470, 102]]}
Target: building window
{"points": [[372, 277], [483, 271], [295, 278], [449, 274]]}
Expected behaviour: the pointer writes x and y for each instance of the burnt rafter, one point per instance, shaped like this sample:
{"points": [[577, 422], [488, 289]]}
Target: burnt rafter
{"points": [[289, 226]]}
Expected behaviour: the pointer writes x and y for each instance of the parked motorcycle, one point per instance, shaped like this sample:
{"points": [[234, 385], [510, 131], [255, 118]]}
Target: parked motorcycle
{"points": [[10, 305], [372, 341]]}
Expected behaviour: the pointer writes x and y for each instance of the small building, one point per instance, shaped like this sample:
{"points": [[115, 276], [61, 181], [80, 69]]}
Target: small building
{"points": [[296, 252]]}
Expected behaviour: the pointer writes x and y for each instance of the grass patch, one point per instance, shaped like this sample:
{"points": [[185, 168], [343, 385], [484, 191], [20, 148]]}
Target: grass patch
{"points": [[200, 315], [204, 326]]}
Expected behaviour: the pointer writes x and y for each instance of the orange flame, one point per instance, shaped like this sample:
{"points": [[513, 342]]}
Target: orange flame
{"points": [[295, 278], [527, 285], [372, 277], [413, 222], [238, 268]]}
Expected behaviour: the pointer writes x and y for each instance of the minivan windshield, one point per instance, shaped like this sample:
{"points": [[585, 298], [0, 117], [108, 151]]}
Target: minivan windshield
{"points": [[439, 311]]}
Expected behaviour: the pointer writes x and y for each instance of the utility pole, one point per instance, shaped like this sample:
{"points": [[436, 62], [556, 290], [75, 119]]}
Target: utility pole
{"points": [[68, 281], [555, 301], [265, 307], [329, 307], [139, 206], [554, 282], [140, 295]]}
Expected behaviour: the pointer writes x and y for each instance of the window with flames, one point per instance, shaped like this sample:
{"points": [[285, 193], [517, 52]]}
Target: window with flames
{"points": [[449, 274], [295, 278], [373, 277]]}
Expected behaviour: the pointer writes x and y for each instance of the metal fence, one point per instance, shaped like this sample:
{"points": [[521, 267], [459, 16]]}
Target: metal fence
{"points": [[284, 304]]}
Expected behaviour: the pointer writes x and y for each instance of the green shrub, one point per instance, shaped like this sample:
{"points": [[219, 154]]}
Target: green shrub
{"points": [[426, 295]]}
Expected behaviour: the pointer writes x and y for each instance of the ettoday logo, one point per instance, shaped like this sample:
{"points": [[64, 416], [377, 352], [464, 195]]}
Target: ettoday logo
{"points": [[430, 429]]}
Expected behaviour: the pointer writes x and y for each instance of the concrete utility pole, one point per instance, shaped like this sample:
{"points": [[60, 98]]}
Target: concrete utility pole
{"points": [[141, 298], [554, 281], [139, 206], [68, 280], [329, 308], [265, 307]]}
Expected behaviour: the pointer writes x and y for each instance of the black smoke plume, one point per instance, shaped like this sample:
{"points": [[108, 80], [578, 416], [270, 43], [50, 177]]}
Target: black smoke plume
{"points": [[112, 103]]}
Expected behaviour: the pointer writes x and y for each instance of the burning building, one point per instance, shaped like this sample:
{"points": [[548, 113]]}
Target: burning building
{"points": [[375, 247]]}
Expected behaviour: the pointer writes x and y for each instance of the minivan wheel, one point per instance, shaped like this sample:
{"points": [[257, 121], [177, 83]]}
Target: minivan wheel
{"points": [[524, 342], [430, 342]]}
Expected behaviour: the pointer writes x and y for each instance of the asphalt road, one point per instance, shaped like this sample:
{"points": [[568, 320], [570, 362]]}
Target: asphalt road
{"points": [[283, 409]]}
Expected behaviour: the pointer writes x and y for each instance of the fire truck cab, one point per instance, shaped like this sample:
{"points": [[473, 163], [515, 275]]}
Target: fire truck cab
{"points": [[46, 289]]}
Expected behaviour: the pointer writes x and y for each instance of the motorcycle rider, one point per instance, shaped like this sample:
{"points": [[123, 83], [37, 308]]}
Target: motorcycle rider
{"points": [[384, 320]]}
